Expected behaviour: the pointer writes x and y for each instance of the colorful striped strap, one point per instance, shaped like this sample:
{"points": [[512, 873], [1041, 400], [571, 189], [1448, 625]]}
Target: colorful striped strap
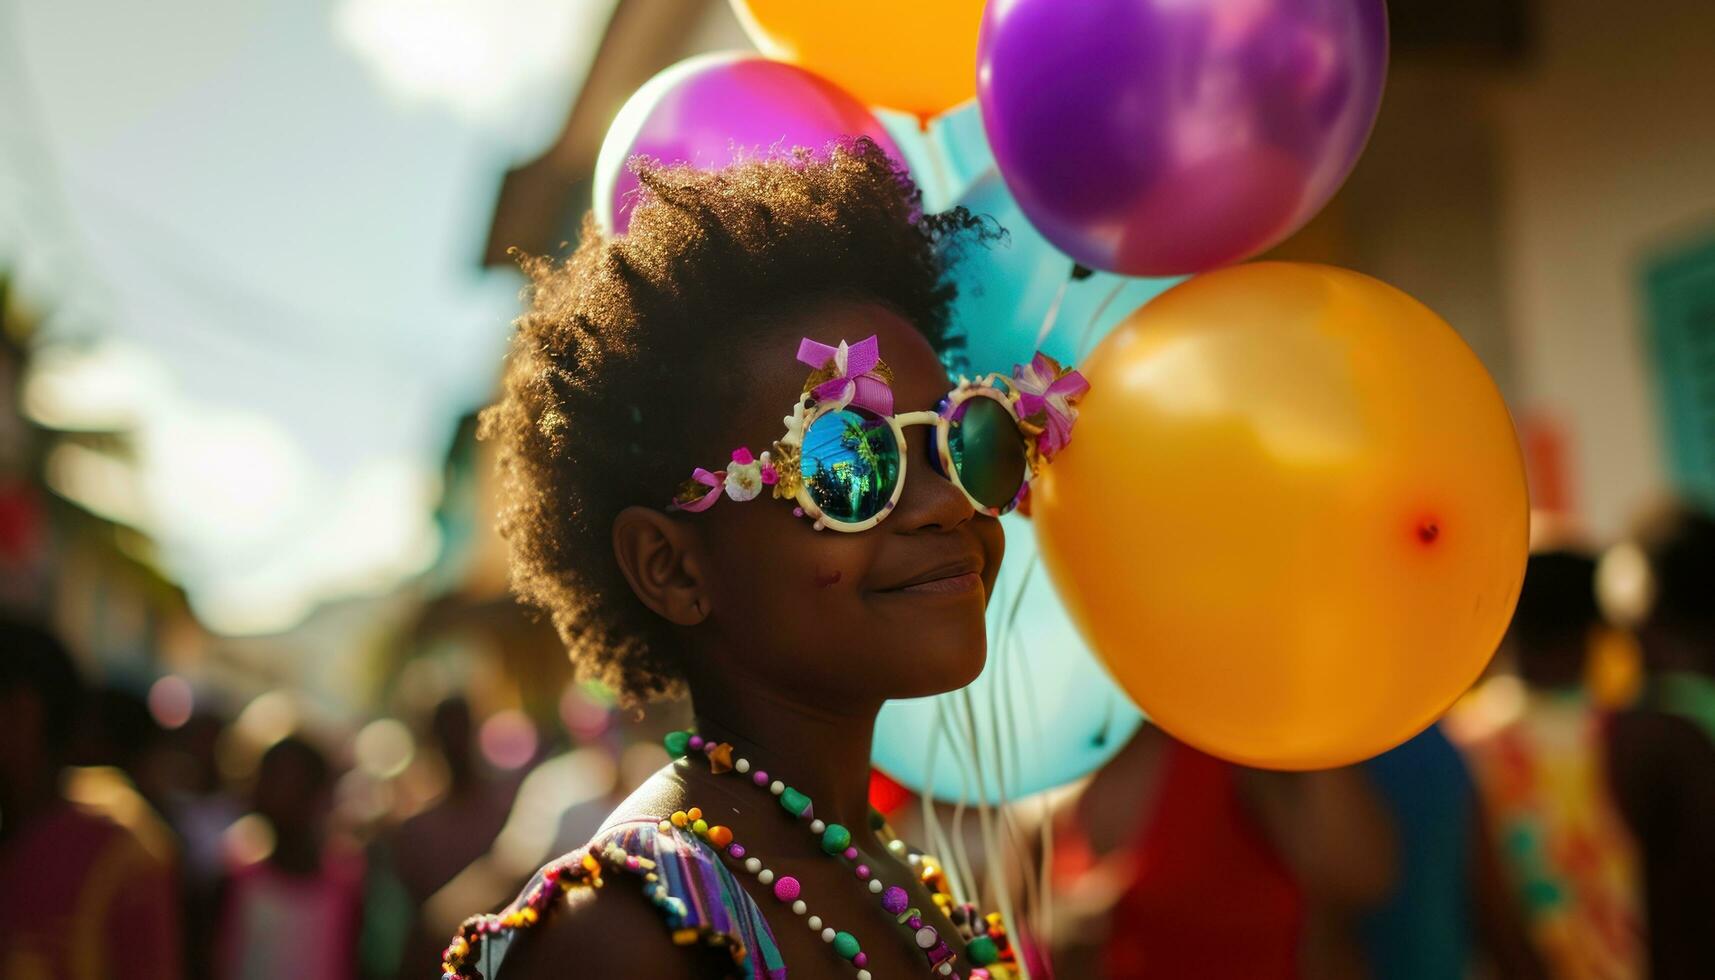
{"points": [[698, 897]]}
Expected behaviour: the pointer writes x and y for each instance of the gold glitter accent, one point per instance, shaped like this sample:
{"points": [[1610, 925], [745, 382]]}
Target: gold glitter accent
{"points": [[828, 372], [691, 491], [787, 481]]}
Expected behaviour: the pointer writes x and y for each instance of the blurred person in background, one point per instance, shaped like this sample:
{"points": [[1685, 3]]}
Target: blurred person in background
{"points": [[200, 808], [1663, 748], [121, 768], [1449, 914], [431, 848], [296, 912], [1172, 864], [80, 895], [1566, 858]]}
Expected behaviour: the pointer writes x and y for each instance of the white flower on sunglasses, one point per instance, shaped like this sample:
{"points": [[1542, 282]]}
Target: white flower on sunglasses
{"points": [[744, 476]]}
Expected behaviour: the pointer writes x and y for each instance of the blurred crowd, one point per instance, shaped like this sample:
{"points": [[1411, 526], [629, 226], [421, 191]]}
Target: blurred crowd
{"points": [[1555, 824]]}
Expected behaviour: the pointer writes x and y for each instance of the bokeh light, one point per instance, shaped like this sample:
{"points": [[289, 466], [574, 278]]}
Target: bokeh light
{"points": [[508, 739], [384, 748], [171, 701]]}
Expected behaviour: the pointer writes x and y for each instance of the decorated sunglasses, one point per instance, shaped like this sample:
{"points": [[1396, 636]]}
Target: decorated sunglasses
{"points": [[842, 459]]}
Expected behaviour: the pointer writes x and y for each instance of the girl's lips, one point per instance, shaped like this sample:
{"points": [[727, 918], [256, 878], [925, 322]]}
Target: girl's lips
{"points": [[956, 583]]}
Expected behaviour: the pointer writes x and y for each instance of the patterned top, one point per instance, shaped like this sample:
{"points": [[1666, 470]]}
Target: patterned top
{"points": [[699, 899], [1565, 848]]}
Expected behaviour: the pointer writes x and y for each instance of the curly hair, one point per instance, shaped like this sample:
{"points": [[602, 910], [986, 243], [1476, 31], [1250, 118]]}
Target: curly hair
{"points": [[622, 341]]}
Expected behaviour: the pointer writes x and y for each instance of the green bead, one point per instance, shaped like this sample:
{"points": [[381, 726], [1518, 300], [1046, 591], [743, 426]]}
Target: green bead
{"points": [[677, 743], [981, 950], [794, 802], [846, 945], [836, 838], [700, 828]]}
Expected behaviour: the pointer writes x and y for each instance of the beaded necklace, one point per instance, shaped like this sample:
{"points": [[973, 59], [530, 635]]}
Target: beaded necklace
{"points": [[985, 937]]}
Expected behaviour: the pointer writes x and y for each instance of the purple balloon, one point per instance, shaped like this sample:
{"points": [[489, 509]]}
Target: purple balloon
{"points": [[1164, 137], [710, 110]]}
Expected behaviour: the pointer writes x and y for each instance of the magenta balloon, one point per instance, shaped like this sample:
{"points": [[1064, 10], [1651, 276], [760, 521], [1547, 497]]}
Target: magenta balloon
{"points": [[709, 110], [1163, 137]]}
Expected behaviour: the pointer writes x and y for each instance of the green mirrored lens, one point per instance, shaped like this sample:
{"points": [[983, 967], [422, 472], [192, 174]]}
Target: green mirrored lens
{"points": [[987, 450], [850, 463]]}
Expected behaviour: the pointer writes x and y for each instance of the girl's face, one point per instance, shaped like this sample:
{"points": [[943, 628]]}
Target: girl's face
{"points": [[892, 612]]}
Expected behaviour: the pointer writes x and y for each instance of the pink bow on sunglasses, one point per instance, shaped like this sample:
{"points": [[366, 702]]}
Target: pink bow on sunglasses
{"points": [[1046, 393], [856, 380]]}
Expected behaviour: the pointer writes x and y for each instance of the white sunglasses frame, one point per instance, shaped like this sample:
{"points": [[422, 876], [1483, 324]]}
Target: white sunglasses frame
{"points": [[995, 387]]}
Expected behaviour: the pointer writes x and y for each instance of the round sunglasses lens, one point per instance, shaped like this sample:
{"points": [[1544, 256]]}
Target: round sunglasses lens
{"points": [[988, 451], [850, 464]]}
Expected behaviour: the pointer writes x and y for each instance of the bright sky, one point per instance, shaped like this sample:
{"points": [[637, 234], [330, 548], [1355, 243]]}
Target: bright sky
{"points": [[257, 224]]}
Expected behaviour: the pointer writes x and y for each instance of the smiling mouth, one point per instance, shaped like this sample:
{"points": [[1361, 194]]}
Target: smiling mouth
{"points": [[949, 583]]}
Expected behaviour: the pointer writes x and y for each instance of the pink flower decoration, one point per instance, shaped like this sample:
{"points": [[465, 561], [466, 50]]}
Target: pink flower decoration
{"points": [[855, 381], [714, 481], [742, 456], [1048, 395]]}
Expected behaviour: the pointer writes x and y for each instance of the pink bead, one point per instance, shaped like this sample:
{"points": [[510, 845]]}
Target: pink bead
{"points": [[861, 960], [696, 741], [894, 900], [786, 889], [760, 778], [851, 854], [863, 872]]}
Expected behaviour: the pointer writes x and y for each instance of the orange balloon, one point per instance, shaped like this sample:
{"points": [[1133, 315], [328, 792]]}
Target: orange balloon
{"points": [[919, 56], [1292, 519]]}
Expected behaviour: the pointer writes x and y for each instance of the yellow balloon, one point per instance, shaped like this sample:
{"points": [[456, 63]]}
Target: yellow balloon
{"points": [[1292, 519], [919, 56]]}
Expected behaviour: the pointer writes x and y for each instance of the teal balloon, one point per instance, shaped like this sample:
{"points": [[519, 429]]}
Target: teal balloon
{"points": [[1007, 289], [1043, 713], [945, 159]]}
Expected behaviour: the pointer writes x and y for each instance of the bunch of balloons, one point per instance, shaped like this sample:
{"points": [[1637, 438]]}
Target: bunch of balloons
{"points": [[1291, 522]]}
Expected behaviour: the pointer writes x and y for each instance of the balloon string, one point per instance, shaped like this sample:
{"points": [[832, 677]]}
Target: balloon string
{"points": [[956, 855], [931, 130], [1036, 895], [1045, 880], [1096, 317], [1007, 742], [1053, 312], [996, 868], [1033, 717]]}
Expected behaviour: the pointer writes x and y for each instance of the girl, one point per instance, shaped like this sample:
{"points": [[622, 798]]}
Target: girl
{"points": [[834, 549]]}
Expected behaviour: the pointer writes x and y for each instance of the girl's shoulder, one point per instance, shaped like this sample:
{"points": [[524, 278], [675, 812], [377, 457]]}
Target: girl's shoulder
{"points": [[605, 904]]}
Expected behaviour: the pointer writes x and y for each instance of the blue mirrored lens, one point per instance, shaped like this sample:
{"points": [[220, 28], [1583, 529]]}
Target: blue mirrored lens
{"points": [[850, 464]]}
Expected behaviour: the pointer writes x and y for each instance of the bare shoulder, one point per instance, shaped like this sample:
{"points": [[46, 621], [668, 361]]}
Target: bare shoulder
{"points": [[611, 932]]}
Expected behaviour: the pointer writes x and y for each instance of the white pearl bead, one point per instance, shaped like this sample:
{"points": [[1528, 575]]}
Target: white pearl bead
{"points": [[666, 827], [799, 908], [815, 922], [828, 935], [896, 846], [742, 765], [875, 886], [817, 826], [863, 975], [766, 877], [777, 787], [946, 969], [753, 865], [926, 937]]}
